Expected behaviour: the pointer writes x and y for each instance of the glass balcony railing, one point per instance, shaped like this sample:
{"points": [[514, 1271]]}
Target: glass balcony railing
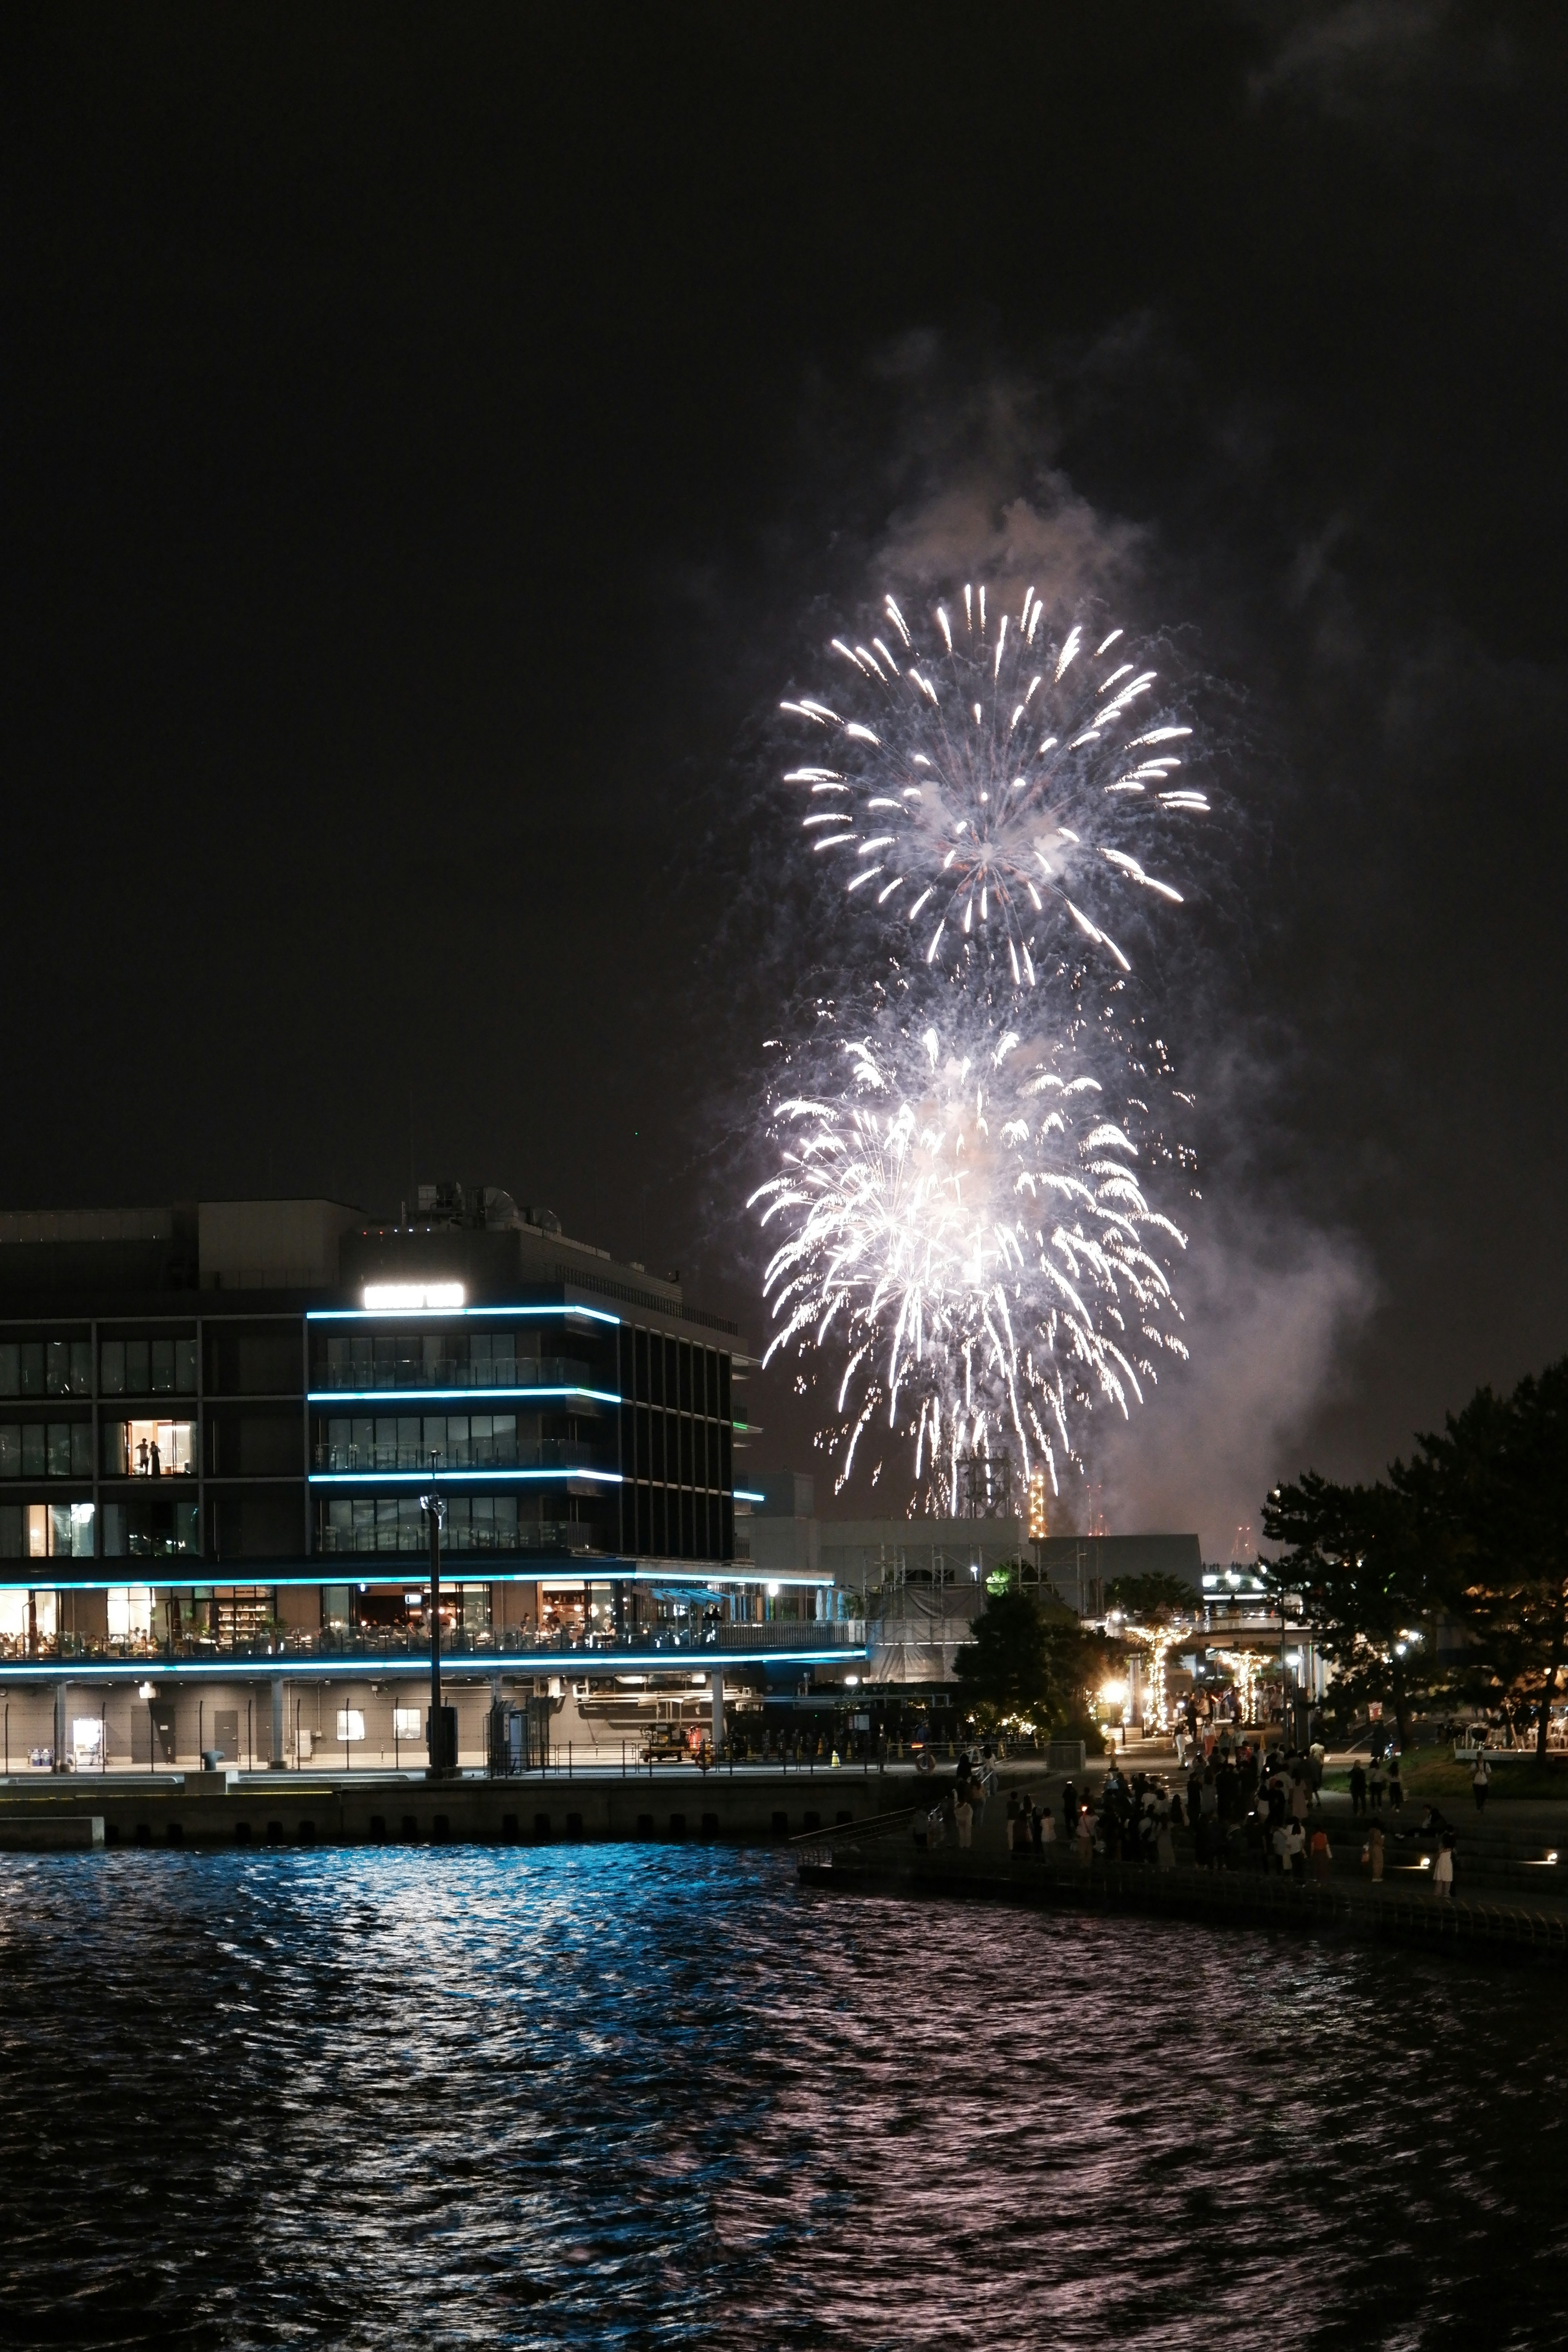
{"points": [[270, 1648], [449, 1372], [409, 1535], [474, 1453]]}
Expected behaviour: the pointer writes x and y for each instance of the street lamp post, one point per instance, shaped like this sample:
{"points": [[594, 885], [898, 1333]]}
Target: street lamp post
{"points": [[434, 1509]]}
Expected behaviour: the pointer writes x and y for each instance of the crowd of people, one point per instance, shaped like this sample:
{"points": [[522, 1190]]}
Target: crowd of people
{"points": [[1244, 1806]]}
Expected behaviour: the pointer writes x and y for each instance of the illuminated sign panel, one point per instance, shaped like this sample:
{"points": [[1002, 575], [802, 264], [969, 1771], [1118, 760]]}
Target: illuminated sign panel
{"points": [[411, 1297]]}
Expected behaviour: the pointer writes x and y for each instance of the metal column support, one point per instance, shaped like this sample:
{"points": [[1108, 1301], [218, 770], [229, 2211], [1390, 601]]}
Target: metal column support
{"points": [[59, 1727], [718, 1712], [278, 1723]]}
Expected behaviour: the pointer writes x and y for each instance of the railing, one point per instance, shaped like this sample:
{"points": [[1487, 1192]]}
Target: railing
{"points": [[478, 1453], [922, 1632], [551, 1535], [447, 1373], [278, 1647]]}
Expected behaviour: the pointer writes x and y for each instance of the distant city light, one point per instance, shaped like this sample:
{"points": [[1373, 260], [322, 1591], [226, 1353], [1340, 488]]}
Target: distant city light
{"points": [[402, 1297]]}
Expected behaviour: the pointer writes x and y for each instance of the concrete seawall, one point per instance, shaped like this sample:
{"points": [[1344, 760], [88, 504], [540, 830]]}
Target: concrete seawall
{"points": [[218, 1809], [1407, 1915]]}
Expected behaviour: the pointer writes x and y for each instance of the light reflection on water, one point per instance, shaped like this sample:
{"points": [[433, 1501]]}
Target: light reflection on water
{"points": [[650, 2096]]}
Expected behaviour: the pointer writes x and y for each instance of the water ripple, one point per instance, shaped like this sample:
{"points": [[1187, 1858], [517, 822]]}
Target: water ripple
{"points": [[642, 2097]]}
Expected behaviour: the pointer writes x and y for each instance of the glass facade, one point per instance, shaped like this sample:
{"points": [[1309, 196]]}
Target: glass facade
{"points": [[677, 1447], [261, 1435], [457, 1358]]}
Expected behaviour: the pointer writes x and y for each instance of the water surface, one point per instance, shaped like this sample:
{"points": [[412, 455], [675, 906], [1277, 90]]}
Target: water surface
{"points": [[637, 2096]]}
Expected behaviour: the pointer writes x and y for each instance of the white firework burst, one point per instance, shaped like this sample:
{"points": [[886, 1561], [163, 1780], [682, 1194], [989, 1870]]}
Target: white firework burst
{"points": [[957, 1217], [979, 787]]}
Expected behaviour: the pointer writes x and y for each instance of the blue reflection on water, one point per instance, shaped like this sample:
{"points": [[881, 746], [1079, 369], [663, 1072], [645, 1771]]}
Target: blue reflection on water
{"points": [[646, 2096]]}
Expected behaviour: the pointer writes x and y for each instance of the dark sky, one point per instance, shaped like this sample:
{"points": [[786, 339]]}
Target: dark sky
{"points": [[432, 437]]}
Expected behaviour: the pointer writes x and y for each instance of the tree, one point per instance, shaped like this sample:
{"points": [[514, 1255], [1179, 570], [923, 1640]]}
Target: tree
{"points": [[1024, 1663], [1153, 1599], [1497, 1479], [1368, 1563]]}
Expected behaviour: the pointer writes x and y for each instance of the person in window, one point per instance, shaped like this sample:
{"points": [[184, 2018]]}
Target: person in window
{"points": [[154, 1461], [141, 1458]]}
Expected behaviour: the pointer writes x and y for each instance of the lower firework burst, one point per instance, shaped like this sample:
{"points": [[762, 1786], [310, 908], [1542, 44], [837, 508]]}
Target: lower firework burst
{"points": [[960, 1223]]}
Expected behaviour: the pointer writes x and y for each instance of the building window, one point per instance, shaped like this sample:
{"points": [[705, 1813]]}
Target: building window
{"points": [[56, 1449], [149, 1530], [481, 1441], [350, 1724], [60, 1530], [149, 1449], [407, 1723], [21, 1368], [482, 1523], [148, 1367], [442, 1359], [131, 1613]]}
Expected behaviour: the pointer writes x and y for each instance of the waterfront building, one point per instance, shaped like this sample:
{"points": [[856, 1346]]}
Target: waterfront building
{"points": [[219, 1423], [916, 1583]]}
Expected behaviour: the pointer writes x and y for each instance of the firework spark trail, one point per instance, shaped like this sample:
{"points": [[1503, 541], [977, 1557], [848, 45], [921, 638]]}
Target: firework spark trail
{"points": [[964, 1225], [978, 791]]}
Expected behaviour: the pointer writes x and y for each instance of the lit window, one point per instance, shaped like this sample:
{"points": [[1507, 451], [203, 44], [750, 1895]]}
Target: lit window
{"points": [[130, 1612], [406, 1723], [351, 1724]]}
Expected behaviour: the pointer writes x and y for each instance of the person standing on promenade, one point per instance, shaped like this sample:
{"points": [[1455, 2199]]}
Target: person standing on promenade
{"points": [[1375, 1784], [1083, 1836], [1012, 1819], [1358, 1790], [1164, 1847], [1395, 1785], [1319, 1857], [1374, 1851], [1295, 1849], [1481, 1779], [964, 1816], [1443, 1869], [1069, 1809]]}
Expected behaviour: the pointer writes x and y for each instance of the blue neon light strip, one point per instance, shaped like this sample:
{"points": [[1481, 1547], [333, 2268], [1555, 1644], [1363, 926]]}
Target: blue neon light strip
{"points": [[453, 1396], [448, 1478], [747, 1494], [392, 1314], [572, 1665]]}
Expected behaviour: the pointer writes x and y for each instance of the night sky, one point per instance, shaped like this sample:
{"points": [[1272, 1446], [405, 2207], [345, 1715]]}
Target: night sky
{"points": [[434, 440]]}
